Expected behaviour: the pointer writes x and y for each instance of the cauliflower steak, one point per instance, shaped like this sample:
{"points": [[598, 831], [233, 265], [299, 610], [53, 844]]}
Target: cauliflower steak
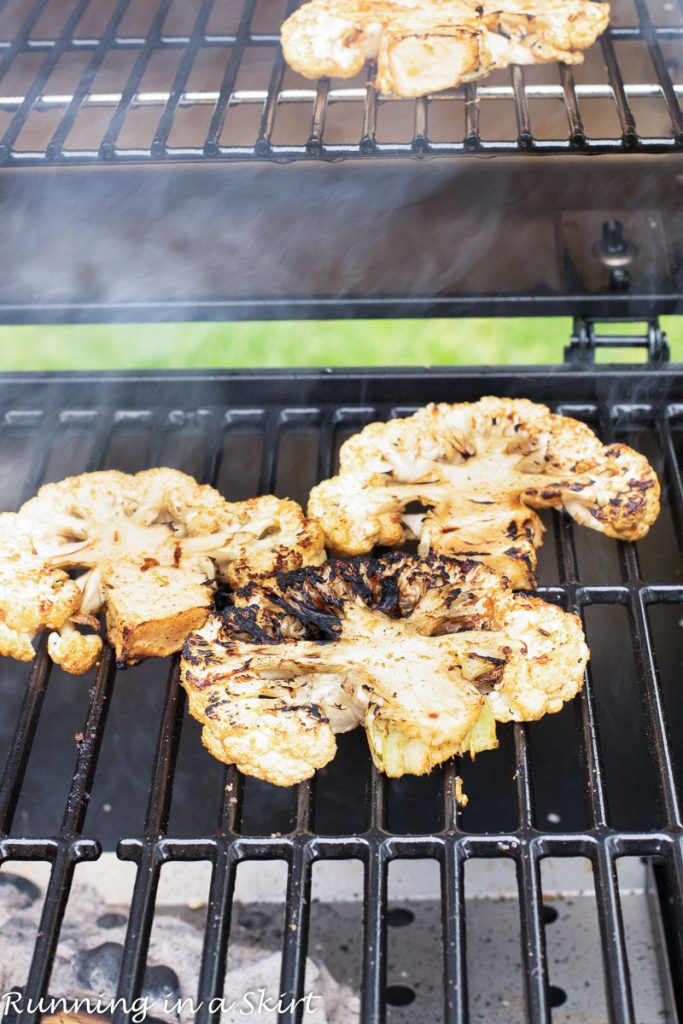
{"points": [[427, 654], [479, 470], [423, 46], [150, 549]]}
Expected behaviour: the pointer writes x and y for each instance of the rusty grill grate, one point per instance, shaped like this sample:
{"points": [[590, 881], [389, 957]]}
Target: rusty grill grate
{"points": [[84, 81], [598, 781]]}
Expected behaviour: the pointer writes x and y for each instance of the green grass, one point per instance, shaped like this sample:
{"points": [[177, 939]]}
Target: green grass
{"points": [[307, 343]]}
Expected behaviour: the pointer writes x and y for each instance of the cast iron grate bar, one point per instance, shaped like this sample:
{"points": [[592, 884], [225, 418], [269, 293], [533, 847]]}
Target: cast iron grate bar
{"points": [[368, 140], [654, 711], [421, 125], [524, 136], [20, 40], [211, 145], [626, 118], [147, 852], [160, 139], [577, 135], [674, 475], [36, 687], [647, 672], [20, 749], [111, 135], [532, 935], [71, 850], [297, 908], [453, 907], [617, 978], [526, 844], [54, 147], [281, 106], [663, 75], [611, 923], [315, 138], [374, 906], [219, 909], [36, 87], [267, 123], [472, 139]]}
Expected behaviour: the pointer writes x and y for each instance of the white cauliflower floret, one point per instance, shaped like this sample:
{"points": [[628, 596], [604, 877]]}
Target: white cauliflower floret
{"points": [[480, 470], [426, 654], [75, 652], [32, 598], [150, 549]]}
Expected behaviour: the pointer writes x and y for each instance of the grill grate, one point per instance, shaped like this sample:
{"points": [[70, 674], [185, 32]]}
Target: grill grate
{"points": [[82, 82], [213, 426]]}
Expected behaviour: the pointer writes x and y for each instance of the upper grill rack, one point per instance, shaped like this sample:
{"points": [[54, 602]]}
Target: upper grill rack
{"points": [[83, 82]]}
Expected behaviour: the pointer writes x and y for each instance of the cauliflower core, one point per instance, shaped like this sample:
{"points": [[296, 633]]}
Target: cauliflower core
{"points": [[426, 653], [479, 470], [150, 547]]}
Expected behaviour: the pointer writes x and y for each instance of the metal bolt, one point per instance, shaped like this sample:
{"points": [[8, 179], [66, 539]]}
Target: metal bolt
{"points": [[619, 279], [613, 250]]}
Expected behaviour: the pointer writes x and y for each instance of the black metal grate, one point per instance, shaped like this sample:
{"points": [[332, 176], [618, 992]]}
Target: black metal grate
{"points": [[82, 81], [223, 427]]}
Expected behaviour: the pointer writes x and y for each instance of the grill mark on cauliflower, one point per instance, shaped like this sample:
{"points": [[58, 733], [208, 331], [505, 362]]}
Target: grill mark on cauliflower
{"points": [[151, 546], [425, 653], [480, 470]]}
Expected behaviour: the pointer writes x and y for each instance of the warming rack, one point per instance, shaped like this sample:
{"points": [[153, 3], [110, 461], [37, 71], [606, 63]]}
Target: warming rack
{"points": [[74, 77]]}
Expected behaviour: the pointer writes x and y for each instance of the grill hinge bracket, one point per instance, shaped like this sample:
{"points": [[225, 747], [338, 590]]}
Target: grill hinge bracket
{"points": [[585, 341]]}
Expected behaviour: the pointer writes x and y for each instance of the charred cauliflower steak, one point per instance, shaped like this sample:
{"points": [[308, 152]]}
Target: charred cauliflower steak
{"points": [[150, 549], [479, 470], [423, 46], [425, 653]]}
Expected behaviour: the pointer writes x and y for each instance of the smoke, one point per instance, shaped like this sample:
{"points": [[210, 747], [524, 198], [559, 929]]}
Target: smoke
{"points": [[187, 235], [172, 242]]}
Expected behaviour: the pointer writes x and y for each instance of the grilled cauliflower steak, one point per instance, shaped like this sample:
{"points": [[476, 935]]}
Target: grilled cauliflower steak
{"points": [[425, 653], [150, 549], [423, 46], [479, 470]]}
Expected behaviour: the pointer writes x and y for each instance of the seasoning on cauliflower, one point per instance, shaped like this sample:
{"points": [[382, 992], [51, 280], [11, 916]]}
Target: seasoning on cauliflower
{"points": [[152, 546], [426, 653], [479, 470]]}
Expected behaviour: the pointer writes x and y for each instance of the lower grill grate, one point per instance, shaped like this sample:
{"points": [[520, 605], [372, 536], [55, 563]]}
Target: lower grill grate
{"points": [[598, 781]]}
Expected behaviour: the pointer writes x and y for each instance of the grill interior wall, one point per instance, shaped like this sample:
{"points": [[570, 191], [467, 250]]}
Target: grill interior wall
{"points": [[362, 238], [598, 780]]}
